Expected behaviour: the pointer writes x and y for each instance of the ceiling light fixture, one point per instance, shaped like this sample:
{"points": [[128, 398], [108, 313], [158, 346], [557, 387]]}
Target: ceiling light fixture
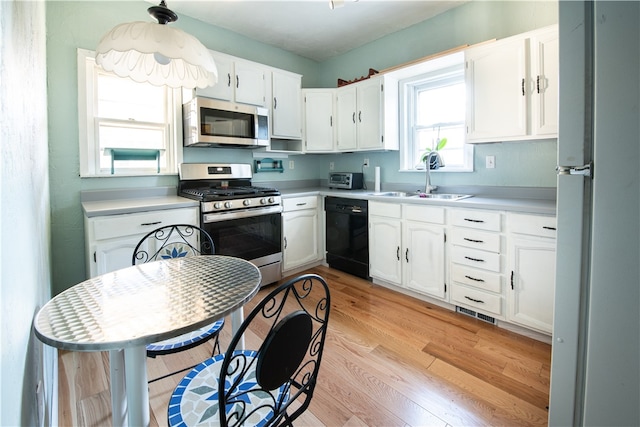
{"points": [[157, 53]]}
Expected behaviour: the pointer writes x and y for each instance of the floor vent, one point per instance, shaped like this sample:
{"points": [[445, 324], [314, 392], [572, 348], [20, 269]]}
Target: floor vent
{"points": [[472, 313]]}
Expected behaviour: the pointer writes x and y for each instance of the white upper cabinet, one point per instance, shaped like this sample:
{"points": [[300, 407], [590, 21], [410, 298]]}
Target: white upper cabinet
{"points": [[286, 116], [544, 102], [346, 109], [319, 120], [239, 81], [512, 88], [367, 115]]}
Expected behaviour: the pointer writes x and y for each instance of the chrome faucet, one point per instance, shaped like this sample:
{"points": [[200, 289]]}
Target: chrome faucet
{"points": [[428, 188]]}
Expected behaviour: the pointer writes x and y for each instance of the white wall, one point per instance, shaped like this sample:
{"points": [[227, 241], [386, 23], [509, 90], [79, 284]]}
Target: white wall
{"points": [[25, 278]]}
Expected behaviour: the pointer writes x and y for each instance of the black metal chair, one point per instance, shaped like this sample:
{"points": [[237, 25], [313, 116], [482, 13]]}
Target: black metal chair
{"points": [[258, 387], [177, 241]]}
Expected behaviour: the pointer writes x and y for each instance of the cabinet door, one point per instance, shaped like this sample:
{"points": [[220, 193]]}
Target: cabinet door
{"points": [[114, 254], [300, 231], [496, 79], [384, 249], [424, 258], [346, 118], [286, 105], [369, 117], [250, 84], [532, 282], [226, 80], [318, 114], [544, 101]]}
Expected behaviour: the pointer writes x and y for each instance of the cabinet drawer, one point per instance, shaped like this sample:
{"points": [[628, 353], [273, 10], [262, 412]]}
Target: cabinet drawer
{"points": [[475, 258], [431, 214], [476, 298], [476, 278], [299, 203], [385, 209], [140, 223], [476, 239], [535, 225], [482, 220]]}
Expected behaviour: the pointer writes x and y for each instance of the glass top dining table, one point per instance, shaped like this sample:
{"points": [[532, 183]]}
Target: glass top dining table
{"points": [[124, 310]]}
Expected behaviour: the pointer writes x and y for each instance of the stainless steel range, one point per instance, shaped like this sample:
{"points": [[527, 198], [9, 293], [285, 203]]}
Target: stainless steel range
{"points": [[245, 221]]}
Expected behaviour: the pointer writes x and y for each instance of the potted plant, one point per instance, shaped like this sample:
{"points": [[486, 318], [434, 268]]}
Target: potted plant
{"points": [[434, 160]]}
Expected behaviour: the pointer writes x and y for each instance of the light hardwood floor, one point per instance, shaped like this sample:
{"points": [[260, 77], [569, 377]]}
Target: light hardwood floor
{"points": [[390, 360]]}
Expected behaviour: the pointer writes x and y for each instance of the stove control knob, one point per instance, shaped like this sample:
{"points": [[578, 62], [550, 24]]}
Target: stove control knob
{"points": [[246, 202], [217, 205], [271, 200], [263, 201], [227, 205]]}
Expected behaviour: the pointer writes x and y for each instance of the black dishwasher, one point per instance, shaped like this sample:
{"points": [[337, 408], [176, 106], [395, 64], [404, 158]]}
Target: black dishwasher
{"points": [[347, 235]]}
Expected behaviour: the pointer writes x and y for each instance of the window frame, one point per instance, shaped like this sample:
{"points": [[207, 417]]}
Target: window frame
{"points": [[408, 89], [89, 146]]}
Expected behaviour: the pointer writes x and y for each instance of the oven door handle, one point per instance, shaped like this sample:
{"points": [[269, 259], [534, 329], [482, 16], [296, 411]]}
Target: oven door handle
{"points": [[243, 213]]}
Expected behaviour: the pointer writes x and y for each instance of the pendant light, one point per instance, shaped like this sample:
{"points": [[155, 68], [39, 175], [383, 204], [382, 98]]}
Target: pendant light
{"points": [[157, 53]]}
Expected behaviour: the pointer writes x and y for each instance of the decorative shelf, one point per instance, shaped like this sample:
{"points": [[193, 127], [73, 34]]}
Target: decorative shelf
{"points": [[267, 165]]}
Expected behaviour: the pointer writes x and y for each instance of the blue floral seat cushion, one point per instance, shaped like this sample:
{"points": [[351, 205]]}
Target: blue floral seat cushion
{"points": [[188, 338], [194, 401]]}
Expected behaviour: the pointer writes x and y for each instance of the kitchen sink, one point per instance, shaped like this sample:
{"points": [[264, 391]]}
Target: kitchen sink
{"points": [[442, 196], [391, 194]]}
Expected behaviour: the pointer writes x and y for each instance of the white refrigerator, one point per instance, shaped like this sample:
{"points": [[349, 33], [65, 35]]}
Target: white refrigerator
{"points": [[595, 374]]}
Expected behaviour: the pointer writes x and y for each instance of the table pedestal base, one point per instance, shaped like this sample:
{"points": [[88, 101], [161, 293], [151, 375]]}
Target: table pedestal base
{"points": [[129, 388]]}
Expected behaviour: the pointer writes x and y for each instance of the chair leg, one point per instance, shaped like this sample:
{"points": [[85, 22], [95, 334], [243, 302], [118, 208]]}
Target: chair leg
{"points": [[216, 345]]}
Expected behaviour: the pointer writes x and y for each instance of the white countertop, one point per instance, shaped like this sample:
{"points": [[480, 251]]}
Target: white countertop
{"points": [[125, 205], [537, 206]]}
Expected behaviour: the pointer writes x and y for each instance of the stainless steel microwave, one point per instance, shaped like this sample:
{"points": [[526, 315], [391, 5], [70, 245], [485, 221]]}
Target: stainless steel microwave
{"points": [[212, 123], [346, 180]]}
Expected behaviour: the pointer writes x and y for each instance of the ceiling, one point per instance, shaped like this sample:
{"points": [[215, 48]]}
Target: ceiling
{"points": [[309, 28]]}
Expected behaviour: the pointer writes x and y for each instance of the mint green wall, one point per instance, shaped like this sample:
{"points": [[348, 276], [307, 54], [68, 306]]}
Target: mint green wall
{"points": [[474, 22], [71, 25], [521, 164]]}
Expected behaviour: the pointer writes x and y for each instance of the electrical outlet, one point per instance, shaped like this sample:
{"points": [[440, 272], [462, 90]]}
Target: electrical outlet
{"points": [[332, 166], [366, 163], [491, 162], [291, 164]]}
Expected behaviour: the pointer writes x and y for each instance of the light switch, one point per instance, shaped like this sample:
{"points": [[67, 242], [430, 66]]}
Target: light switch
{"points": [[491, 162]]}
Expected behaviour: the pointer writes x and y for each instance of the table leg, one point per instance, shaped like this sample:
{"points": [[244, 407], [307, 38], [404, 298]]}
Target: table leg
{"points": [[135, 359], [118, 391], [236, 320]]}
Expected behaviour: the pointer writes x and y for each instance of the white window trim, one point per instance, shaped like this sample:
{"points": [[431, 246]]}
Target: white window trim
{"points": [[406, 102], [87, 138]]}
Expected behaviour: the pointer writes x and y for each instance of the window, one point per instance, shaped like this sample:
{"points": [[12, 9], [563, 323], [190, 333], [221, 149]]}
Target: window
{"points": [[432, 109], [126, 128]]}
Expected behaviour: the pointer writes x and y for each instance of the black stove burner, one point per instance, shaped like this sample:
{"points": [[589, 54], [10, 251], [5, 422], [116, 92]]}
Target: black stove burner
{"points": [[207, 194]]}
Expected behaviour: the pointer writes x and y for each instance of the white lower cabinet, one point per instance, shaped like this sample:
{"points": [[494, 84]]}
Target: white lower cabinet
{"points": [[476, 261], [385, 243], [111, 239], [300, 231], [407, 246], [532, 263]]}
